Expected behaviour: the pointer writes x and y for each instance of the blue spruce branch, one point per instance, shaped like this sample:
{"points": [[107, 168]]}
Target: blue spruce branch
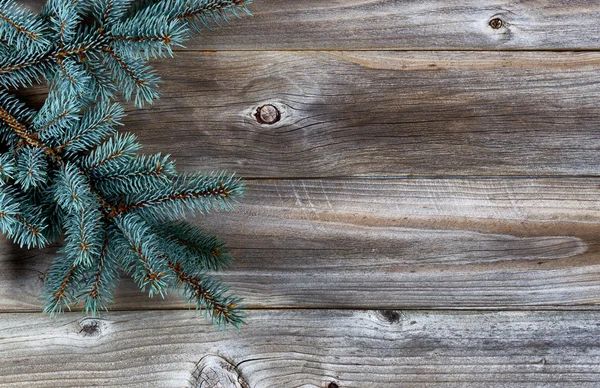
{"points": [[68, 172]]}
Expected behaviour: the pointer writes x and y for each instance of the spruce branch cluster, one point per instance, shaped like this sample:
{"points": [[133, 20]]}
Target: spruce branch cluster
{"points": [[67, 175]]}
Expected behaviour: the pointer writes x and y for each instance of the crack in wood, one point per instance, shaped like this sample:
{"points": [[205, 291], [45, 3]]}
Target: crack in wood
{"points": [[213, 371]]}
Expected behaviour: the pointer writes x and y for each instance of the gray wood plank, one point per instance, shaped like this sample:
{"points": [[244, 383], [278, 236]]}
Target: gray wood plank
{"points": [[438, 243], [391, 24], [378, 113], [304, 348]]}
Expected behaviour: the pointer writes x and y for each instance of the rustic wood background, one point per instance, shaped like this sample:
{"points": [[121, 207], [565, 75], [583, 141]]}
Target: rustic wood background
{"points": [[425, 213]]}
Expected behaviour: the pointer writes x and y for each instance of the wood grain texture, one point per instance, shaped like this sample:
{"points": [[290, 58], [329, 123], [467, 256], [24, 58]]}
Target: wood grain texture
{"points": [[378, 113], [402, 25], [438, 243], [320, 247], [304, 349]]}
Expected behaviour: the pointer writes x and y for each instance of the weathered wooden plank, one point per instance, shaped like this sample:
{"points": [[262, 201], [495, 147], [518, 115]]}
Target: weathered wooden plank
{"points": [[487, 243], [378, 113], [304, 349], [391, 24]]}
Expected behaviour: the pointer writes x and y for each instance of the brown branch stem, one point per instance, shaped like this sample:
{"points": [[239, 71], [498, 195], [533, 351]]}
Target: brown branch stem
{"points": [[220, 191], [218, 308], [18, 26]]}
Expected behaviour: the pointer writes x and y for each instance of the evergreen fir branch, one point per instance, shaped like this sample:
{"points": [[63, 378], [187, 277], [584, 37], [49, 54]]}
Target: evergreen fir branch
{"points": [[61, 285], [26, 68], [64, 17], [8, 137], [109, 12], [9, 210], [133, 77], [71, 78], [15, 108], [148, 37], [83, 222], [18, 127], [32, 167], [112, 155], [55, 215], [100, 83], [27, 233], [60, 112], [22, 69], [187, 192], [97, 123], [67, 172], [20, 27], [52, 7], [139, 166], [194, 248], [19, 220], [83, 236], [209, 294], [202, 12], [193, 12], [85, 43], [8, 168], [72, 191], [141, 257], [143, 173], [98, 293], [6, 50]]}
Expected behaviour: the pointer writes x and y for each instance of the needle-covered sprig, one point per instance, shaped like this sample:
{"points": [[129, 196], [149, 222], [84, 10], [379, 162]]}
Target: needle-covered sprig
{"points": [[68, 175], [103, 45]]}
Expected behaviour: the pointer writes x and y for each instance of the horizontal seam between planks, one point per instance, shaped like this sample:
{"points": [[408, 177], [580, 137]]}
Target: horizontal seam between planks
{"points": [[467, 309], [424, 177], [516, 50]]}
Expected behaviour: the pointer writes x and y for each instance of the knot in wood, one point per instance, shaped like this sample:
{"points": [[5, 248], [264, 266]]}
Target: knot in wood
{"points": [[496, 23], [267, 114], [333, 384], [90, 327], [216, 372], [391, 316]]}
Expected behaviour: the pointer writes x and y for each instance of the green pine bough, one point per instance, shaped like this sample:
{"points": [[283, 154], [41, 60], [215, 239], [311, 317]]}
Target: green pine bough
{"points": [[67, 175]]}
